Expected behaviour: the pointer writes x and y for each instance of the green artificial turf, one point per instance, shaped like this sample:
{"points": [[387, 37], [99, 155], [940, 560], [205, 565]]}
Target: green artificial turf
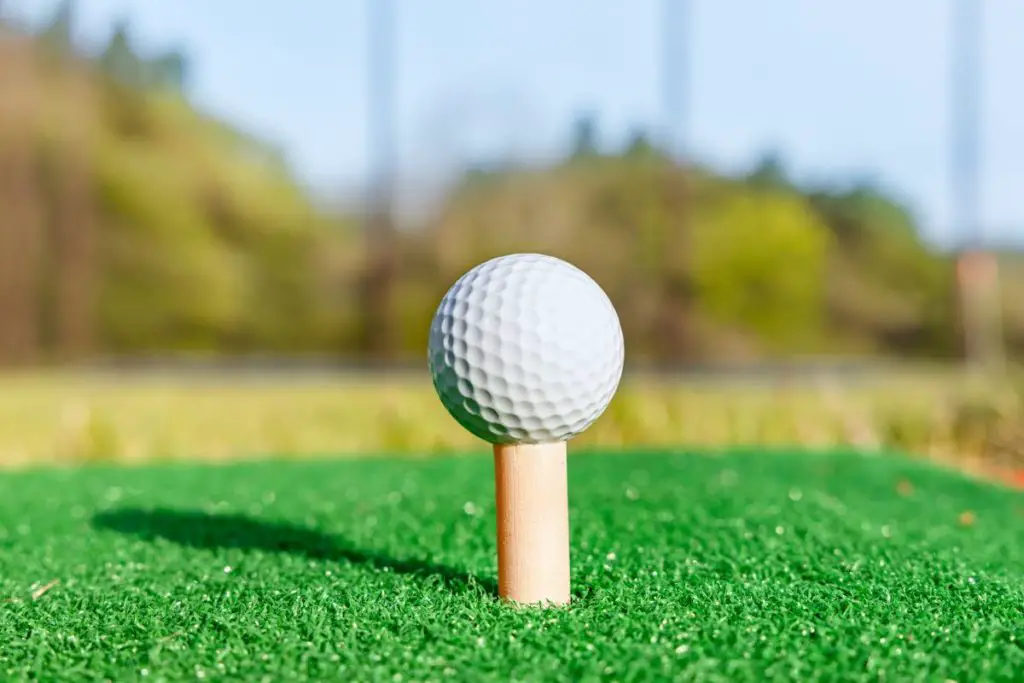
{"points": [[741, 566]]}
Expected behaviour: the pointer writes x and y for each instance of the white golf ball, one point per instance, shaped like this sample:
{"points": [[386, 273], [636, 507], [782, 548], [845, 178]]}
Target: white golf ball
{"points": [[525, 348]]}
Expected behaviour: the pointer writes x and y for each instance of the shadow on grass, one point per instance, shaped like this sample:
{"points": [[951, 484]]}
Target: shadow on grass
{"points": [[209, 531]]}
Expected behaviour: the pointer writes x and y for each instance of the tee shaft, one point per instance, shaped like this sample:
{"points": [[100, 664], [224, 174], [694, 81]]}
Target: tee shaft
{"points": [[531, 491]]}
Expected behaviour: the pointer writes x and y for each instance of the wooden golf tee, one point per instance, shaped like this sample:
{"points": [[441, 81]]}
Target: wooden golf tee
{"points": [[532, 494]]}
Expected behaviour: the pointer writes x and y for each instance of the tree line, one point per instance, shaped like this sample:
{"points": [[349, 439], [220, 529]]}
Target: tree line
{"points": [[132, 224]]}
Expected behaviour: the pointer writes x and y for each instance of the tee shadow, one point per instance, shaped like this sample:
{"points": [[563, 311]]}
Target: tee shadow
{"points": [[197, 529]]}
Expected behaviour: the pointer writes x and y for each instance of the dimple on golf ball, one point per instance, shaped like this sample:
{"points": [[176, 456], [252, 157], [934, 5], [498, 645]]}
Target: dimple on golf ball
{"points": [[525, 348]]}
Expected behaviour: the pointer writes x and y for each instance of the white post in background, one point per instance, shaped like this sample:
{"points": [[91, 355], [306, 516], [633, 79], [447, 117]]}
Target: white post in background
{"points": [[977, 269]]}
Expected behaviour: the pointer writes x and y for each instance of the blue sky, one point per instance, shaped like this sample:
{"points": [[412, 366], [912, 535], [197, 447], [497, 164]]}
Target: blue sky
{"points": [[842, 88]]}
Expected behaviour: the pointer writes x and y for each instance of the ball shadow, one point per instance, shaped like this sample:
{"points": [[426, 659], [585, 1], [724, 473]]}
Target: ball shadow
{"points": [[197, 529]]}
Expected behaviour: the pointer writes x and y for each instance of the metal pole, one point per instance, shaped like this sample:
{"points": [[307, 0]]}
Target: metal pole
{"points": [[381, 91], [977, 270], [378, 320], [674, 269], [965, 118], [675, 74]]}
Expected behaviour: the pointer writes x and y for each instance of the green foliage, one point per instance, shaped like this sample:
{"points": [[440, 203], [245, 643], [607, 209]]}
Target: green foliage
{"points": [[58, 34], [204, 240], [121, 62], [206, 243], [759, 261], [770, 174], [167, 277], [1011, 304], [888, 281], [640, 147]]}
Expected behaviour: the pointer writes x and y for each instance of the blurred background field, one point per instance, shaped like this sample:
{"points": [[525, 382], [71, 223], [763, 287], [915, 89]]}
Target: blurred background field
{"points": [[61, 419], [851, 212]]}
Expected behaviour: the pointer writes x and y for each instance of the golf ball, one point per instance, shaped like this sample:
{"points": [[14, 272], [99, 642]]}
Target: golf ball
{"points": [[525, 348]]}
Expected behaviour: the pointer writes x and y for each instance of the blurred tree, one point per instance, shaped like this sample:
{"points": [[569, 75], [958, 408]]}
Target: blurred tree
{"points": [[119, 61], [759, 264], [21, 219], [640, 146], [69, 255], [74, 221], [1011, 268], [769, 173], [584, 138], [57, 34], [171, 70], [889, 284], [122, 63], [173, 231]]}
